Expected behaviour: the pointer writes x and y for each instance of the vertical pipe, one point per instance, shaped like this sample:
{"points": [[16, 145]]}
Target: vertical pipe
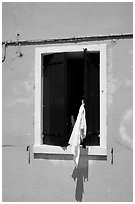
{"points": [[4, 48]]}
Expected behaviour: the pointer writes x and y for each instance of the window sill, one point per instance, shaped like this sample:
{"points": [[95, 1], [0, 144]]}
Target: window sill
{"points": [[52, 150]]}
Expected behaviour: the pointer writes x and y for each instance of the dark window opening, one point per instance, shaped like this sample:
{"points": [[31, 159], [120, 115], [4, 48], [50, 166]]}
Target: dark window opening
{"points": [[67, 79]]}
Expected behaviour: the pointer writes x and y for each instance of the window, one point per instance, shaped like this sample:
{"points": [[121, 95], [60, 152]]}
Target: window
{"points": [[64, 75]]}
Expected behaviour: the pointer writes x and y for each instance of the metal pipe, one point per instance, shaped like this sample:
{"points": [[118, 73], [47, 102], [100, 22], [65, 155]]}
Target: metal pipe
{"points": [[4, 47], [68, 40]]}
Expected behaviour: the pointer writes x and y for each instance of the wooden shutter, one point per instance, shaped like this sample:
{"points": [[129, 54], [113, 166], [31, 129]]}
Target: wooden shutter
{"points": [[91, 96], [54, 102]]}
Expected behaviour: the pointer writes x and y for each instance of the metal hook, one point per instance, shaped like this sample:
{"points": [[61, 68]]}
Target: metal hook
{"points": [[112, 156], [19, 52], [28, 149]]}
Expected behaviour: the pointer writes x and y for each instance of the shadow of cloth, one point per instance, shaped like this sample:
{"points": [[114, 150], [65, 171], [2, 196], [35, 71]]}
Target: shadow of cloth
{"points": [[80, 173]]}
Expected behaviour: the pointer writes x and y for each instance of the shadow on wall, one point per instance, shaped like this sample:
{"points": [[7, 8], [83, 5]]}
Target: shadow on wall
{"points": [[80, 174]]}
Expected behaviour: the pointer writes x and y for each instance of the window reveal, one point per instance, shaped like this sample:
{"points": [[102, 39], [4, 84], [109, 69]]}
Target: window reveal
{"points": [[67, 79]]}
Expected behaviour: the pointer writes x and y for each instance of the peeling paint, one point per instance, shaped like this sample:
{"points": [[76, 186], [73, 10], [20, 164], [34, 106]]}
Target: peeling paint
{"points": [[129, 83], [125, 128], [128, 115], [113, 85], [113, 81], [29, 83]]}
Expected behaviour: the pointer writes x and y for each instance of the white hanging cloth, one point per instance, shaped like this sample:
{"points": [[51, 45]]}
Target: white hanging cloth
{"points": [[78, 133]]}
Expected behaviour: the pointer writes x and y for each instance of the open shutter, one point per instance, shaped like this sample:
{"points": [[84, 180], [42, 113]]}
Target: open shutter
{"points": [[54, 102], [92, 97]]}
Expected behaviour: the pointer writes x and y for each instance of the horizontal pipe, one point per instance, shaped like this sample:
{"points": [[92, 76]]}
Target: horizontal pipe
{"points": [[68, 40]]}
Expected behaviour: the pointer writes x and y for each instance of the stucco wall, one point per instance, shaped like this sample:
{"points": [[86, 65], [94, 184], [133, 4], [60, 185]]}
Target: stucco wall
{"points": [[52, 180]]}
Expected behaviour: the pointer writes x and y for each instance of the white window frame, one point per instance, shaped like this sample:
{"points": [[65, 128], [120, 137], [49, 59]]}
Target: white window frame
{"points": [[49, 149]]}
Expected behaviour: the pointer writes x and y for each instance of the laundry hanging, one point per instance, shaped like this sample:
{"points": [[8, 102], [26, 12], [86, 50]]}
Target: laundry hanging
{"points": [[78, 133]]}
